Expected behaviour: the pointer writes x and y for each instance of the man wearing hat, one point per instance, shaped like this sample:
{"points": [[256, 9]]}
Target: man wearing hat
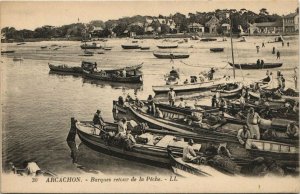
{"points": [[98, 120], [189, 154], [171, 96]]}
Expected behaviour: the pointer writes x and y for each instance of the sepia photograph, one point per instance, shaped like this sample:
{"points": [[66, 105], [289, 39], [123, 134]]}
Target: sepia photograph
{"points": [[149, 96]]}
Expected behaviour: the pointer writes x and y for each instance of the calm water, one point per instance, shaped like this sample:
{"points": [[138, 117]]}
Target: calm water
{"points": [[37, 106]]}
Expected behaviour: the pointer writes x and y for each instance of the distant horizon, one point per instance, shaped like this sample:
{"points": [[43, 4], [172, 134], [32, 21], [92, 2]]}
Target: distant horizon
{"points": [[30, 15]]}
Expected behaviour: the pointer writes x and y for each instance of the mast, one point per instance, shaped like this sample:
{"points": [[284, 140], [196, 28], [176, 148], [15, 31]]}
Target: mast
{"points": [[232, 55]]}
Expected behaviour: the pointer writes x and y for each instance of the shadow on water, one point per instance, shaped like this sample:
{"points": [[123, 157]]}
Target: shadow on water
{"points": [[115, 85], [60, 74]]}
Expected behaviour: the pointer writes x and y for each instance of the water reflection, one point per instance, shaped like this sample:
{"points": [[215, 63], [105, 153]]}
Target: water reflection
{"points": [[114, 85]]}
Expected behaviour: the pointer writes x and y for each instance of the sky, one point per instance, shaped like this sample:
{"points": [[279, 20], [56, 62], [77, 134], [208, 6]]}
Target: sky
{"points": [[33, 14]]}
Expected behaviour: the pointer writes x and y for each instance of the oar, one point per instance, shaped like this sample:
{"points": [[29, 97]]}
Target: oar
{"points": [[98, 128]]}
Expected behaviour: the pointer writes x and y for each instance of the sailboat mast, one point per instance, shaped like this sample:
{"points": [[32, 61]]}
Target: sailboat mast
{"points": [[232, 55]]}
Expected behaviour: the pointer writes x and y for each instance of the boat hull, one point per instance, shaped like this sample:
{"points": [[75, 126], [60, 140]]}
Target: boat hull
{"points": [[130, 46], [171, 55], [254, 65], [67, 69], [167, 47], [111, 78], [216, 50]]}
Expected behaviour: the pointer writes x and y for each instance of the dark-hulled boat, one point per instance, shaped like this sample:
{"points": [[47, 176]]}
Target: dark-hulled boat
{"points": [[65, 68], [170, 55], [216, 50], [255, 66], [113, 77], [167, 46], [7, 52], [130, 46], [127, 68], [151, 152], [208, 39]]}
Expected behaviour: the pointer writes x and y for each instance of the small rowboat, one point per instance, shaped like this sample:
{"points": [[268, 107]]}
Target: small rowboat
{"points": [[190, 87], [255, 66], [8, 51], [171, 55], [208, 39], [229, 90], [91, 46], [107, 48], [43, 47], [21, 43], [128, 69], [113, 77], [216, 50], [64, 68], [167, 46], [130, 46], [145, 47], [280, 152], [18, 59]]}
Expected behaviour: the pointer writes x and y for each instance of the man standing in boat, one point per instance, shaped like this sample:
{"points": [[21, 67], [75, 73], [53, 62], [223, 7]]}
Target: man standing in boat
{"points": [[98, 121], [211, 74], [253, 120], [171, 96]]}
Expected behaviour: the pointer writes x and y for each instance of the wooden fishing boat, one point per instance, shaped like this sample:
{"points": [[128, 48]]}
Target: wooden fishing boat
{"points": [[130, 46], [216, 50], [191, 87], [43, 47], [186, 169], [285, 154], [229, 90], [170, 55], [90, 46], [255, 66], [107, 48], [145, 47], [21, 43], [167, 46], [7, 52], [151, 152], [64, 68], [113, 77], [23, 172], [208, 39], [128, 69]]}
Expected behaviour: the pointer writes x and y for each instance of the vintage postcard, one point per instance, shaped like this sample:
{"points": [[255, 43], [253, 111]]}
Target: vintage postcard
{"points": [[150, 96]]}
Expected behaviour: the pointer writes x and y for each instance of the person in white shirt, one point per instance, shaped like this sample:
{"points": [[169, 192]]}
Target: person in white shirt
{"points": [[122, 128], [181, 103], [253, 119], [243, 135], [171, 96]]}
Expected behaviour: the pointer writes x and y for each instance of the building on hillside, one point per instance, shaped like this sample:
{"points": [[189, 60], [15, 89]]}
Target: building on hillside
{"points": [[291, 23], [212, 25], [196, 27], [225, 28], [96, 30], [266, 28]]}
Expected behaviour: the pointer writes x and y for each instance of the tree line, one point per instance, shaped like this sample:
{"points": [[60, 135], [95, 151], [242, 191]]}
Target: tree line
{"points": [[240, 17]]}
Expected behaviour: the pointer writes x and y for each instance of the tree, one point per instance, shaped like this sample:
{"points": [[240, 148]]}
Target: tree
{"points": [[263, 11], [120, 28], [97, 23], [165, 29], [137, 29]]}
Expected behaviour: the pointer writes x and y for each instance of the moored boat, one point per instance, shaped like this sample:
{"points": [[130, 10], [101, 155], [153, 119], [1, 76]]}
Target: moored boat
{"points": [[208, 39], [255, 66], [113, 77], [64, 68], [170, 55], [18, 59], [198, 86], [145, 47], [7, 51], [216, 50], [168, 46], [130, 46], [229, 90], [90, 46]]}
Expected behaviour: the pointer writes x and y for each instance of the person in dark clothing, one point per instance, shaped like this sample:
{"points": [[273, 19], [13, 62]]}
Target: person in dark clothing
{"points": [[278, 55], [273, 51], [214, 101], [98, 120], [211, 73], [282, 43], [263, 44], [121, 101], [288, 44], [71, 140], [262, 63], [211, 150], [258, 63]]}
